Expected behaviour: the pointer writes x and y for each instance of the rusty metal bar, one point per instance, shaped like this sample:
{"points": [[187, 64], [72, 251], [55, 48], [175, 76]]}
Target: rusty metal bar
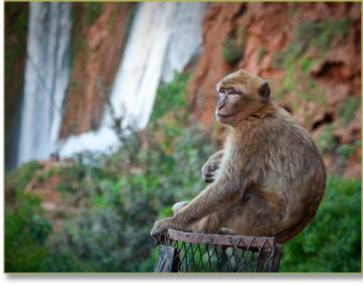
{"points": [[276, 258], [239, 241]]}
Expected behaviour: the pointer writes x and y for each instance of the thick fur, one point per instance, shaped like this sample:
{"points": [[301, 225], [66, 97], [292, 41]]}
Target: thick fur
{"points": [[270, 177]]}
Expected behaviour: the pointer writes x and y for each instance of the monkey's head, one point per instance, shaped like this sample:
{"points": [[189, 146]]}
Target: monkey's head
{"points": [[240, 94]]}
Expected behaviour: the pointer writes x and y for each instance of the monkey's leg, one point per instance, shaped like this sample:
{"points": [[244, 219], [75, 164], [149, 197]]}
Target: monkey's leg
{"points": [[200, 226], [209, 224]]}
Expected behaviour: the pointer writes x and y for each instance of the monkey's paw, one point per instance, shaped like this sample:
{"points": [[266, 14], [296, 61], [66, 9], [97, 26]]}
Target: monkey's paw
{"points": [[227, 231], [208, 172], [159, 228]]}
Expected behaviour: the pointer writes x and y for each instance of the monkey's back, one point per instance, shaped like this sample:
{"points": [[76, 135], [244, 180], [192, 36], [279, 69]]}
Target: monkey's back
{"points": [[286, 195]]}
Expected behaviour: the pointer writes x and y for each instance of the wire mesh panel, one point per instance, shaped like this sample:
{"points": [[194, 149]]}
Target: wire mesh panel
{"points": [[195, 252]]}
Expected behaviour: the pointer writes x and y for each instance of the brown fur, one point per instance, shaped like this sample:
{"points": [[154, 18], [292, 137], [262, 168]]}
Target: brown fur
{"points": [[267, 181]]}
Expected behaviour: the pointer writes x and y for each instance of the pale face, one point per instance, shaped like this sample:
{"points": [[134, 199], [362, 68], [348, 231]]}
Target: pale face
{"points": [[230, 101], [239, 95]]}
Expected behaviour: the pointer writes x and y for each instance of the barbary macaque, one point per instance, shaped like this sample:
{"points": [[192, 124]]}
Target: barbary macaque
{"points": [[269, 178]]}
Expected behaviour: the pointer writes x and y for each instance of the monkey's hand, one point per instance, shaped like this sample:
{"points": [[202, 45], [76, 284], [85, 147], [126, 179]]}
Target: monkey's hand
{"points": [[160, 227], [211, 166], [208, 171], [178, 206]]}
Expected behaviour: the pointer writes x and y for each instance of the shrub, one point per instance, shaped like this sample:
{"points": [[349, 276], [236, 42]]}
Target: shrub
{"points": [[92, 11], [25, 235], [332, 242], [120, 195], [170, 96]]}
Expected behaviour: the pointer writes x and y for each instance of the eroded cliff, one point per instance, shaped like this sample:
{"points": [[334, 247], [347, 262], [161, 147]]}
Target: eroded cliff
{"points": [[309, 52]]}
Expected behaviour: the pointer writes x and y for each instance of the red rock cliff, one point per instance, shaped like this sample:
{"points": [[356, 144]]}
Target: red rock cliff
{"points": [[309, 52], [99, 37]]}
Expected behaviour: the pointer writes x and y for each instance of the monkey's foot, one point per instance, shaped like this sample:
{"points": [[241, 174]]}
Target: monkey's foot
{"points": [[160, 227], [227, 231]]}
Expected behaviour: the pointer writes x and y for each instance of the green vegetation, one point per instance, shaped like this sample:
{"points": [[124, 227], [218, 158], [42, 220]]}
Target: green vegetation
{"points": [[130, 18], [319, 35], [47, 174], [232, 52], [346, 111], [19, 178], [332, 242], [117, 197], [92, 11], [292, 8], [347, 150], [233, 46], [326, 142], [296, 59], [305, 64], [170, 96], [113, 17], [25, 235], [16, 21], [260, 53]]}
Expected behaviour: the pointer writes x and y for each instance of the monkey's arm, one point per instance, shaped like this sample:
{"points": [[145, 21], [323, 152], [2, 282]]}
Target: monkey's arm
{"points": [[209, 168], [208, 172], [228, 189]]}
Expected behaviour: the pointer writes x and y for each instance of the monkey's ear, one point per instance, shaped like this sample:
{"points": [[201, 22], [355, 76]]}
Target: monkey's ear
{"points": [[264, 92]]}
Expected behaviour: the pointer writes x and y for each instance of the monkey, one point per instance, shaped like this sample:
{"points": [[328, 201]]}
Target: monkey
{"points": [[269, 178]]}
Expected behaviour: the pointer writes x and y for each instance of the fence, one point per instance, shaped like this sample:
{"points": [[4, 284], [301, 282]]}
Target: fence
{"points": [[195, 252]]}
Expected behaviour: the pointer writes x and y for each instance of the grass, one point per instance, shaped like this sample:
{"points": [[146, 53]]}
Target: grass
{"points": [[347, 150], [321, 35], [332, 242], [260, 53], [92, 11], [347, 110], [326, 142], [233, 46], [16, 28], [170, 96], [297, 62]]}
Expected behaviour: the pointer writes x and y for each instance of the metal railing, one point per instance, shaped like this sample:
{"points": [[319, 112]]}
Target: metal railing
{"points": [[196, 252]]}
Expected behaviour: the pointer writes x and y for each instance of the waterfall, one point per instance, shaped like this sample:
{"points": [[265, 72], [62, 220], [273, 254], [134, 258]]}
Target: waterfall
{"points": [[46, 79], [164, 37]]}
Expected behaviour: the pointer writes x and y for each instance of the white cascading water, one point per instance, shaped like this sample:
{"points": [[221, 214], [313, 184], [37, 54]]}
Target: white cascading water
{"points": [[164, 37], [46, 79]]}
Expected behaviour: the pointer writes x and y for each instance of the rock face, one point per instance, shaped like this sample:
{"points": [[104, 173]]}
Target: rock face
{"points": [[309, 52], [100, 33], [16, 17]]}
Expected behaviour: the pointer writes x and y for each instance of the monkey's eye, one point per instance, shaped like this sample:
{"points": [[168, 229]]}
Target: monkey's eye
{"points": [[222, 90], [233, 92]]}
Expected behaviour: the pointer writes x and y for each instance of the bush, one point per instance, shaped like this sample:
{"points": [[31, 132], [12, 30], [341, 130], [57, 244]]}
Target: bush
{"points": [[170, 96], [120, 195], [332, 242], [18, 178], [25, 235], [92, 11], [233, 46]]}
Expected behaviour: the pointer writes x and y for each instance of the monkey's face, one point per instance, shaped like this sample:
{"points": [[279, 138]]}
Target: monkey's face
{"points": [[239, 95], [230, 102]]}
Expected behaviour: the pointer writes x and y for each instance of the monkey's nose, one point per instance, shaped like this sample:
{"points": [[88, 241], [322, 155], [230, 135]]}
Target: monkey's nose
{"points": [[221, 105]]}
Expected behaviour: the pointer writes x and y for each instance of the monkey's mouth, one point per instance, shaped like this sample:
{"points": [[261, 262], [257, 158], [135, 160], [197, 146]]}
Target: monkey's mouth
{"points": [[224, 116]]}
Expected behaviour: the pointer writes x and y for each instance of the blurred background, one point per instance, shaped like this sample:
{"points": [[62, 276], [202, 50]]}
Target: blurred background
{"points": [[109, 117]]}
